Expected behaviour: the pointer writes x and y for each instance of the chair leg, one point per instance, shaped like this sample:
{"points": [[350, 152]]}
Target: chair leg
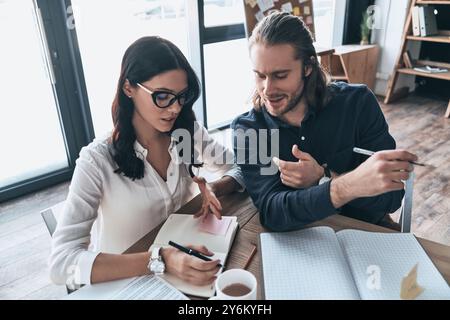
{"points": [[447, 113], [406, 213]]}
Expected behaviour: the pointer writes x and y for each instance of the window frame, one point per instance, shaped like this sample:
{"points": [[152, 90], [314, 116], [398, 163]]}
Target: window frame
{"points": [[73, 107], [209, 35]]}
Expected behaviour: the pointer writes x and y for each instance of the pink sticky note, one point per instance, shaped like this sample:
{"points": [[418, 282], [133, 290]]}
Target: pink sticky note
{"points": [[214, 225]]}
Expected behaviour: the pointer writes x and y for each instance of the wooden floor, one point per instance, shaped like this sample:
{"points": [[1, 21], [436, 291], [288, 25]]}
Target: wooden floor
{"points": [[25, 246], [416, 123]]}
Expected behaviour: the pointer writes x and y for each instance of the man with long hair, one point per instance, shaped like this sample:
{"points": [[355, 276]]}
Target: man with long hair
{"points": [[319, 123]]}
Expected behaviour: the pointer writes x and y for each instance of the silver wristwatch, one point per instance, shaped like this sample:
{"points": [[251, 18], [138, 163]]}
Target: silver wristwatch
{"points": [[156, 264], [326, 174]]}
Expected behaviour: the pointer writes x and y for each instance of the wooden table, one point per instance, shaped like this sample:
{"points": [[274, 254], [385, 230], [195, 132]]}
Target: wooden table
{"points": [[354, 64], [322, 51], [240, 204], [324, 55]]}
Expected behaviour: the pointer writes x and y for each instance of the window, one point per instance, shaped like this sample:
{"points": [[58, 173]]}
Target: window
{"points": [[115, 29], [223, 12], [225, 57], [31, 138], [329, 21], [229, 80]]}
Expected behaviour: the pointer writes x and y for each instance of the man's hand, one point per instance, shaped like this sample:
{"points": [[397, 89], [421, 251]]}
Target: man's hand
{"points": [[304, 173], [210, 202], [383, 172]]}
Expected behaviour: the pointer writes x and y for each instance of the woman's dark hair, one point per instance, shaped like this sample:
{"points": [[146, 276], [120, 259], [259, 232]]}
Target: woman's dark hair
{"points": [[144, 59], [284, 28]]}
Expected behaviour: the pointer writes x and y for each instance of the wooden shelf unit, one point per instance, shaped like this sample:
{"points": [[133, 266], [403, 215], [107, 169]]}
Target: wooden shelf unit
{"points": [[439, 39], [443, 76], [442, 37], [433, 2]]}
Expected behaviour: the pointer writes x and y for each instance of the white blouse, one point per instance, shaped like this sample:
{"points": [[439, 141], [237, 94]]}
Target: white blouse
{"points": [[108, 212]]}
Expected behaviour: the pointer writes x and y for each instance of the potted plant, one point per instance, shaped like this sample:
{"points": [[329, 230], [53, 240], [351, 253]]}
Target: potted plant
{"points": [[365, 30]]}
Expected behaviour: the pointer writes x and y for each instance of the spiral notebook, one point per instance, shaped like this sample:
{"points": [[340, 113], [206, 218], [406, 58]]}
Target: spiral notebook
{"points": [[317, 263]]}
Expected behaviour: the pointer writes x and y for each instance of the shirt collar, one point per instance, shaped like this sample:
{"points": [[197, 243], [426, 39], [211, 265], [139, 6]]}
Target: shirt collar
{"points": [[141, 152], [273, 122], [276, 123], [310, 113]]}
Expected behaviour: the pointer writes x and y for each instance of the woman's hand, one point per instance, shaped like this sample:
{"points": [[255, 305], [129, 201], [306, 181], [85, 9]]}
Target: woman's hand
{"points": [[190, 268], [210, 202]]}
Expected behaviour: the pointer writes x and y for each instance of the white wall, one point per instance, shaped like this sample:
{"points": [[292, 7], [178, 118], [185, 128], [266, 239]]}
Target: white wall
{"points": [[393, 14]]}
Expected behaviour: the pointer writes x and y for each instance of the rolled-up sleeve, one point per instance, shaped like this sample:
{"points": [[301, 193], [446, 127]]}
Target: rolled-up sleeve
{"points": [[373, 134], [70, 261]]}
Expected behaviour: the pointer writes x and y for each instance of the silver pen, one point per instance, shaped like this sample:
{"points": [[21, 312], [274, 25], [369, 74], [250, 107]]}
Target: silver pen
{"points": [[370, 153]]}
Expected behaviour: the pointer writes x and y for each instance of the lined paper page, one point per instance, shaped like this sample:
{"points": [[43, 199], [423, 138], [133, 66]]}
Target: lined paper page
{"points": [[149, 287], [305, 264], [395, 254]]}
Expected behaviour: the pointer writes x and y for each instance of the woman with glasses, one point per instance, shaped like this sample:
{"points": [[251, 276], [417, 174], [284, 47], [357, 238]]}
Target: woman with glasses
{"points": [[126, 184]]}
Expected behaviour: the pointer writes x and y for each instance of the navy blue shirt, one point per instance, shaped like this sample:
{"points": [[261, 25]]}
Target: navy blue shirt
{"points": [[351, 118]]}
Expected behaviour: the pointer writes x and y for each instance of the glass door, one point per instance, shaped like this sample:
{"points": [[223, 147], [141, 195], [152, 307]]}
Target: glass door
{"points": [[31, 138]]}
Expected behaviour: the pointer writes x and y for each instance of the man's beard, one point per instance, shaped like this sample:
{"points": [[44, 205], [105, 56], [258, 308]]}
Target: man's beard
{"points": [[293, 102]]}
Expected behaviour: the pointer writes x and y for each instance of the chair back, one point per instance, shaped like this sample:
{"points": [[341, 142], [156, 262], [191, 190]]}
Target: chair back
{"points": [[50, 217]]}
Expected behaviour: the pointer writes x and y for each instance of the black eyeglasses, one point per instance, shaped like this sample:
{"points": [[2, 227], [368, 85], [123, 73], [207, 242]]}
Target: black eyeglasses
{"points": [[164, 99]]}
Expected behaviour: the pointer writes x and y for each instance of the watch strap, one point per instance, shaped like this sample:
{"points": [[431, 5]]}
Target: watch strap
{"points": [[156, 254], [327, 172]]}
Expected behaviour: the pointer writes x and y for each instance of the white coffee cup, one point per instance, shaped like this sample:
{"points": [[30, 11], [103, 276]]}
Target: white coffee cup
{"points": [[235, 276]]}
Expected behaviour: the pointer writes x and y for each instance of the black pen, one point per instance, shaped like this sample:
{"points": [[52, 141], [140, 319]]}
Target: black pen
{"points": [[191, 252]]}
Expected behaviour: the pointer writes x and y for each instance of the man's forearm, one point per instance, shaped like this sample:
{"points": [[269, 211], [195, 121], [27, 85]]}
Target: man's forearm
{"points": [[341, 191]]}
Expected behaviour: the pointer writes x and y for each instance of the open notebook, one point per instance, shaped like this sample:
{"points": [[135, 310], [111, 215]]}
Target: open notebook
{"points": [[180, 228], [317, 263], [184, 229]]}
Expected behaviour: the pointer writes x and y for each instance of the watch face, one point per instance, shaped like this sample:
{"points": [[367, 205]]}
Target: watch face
{"points": [[157, 267]]}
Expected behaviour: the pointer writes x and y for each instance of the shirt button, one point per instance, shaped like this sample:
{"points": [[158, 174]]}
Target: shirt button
{"points": [[303, 138]]}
